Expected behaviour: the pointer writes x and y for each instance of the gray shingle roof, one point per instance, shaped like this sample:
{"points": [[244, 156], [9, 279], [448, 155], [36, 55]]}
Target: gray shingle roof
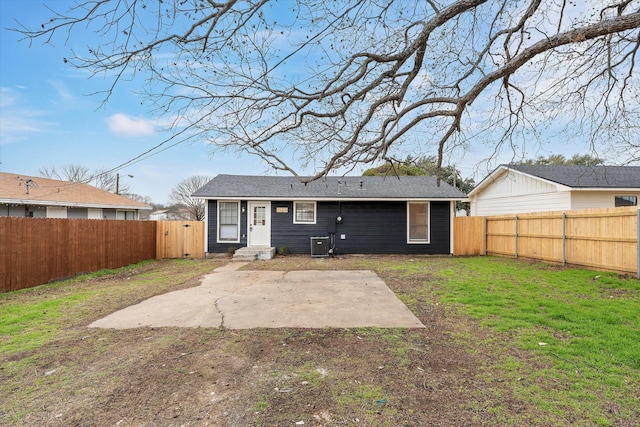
{"points": [[373, 187], [585, 176]]}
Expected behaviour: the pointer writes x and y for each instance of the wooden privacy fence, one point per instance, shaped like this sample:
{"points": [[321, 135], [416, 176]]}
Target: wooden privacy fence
{"points": [[34, 251], [605, 239]]}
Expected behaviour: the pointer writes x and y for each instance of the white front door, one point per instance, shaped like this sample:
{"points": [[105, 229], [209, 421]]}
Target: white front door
{"points": [[259, 225]]}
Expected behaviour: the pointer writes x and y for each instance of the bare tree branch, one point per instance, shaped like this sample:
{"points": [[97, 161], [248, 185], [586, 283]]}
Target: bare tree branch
{"points": [[70, 172], [329, 85], [181, 195]]}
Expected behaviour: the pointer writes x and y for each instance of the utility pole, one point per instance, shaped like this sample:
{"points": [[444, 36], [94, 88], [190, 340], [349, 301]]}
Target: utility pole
{"points": [[118, 182]]}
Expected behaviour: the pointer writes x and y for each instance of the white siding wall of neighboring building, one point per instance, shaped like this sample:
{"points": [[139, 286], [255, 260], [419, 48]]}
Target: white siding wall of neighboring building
{"points": [[94, 213], [518, 193], [592, 200], [159, 216], [16, 211], [56, 212], [597, 199]]}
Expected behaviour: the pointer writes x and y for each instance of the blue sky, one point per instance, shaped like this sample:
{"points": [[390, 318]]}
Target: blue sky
{"points": [[47, 118]]}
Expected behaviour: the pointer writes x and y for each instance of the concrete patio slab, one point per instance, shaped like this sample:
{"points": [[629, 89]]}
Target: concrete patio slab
{"points": [[272, 299]]}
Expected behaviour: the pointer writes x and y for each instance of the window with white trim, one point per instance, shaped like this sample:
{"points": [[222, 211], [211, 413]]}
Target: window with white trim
{"points": [[228, 221], [418, 222], [304, 212]]}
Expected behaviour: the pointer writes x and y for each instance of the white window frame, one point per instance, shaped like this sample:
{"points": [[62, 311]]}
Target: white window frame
{"points": [[219, 204], [419, 241], [315, 212]]}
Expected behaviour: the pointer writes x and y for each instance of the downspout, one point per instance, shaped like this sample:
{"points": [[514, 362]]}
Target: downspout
{"points": [[332, 234]]}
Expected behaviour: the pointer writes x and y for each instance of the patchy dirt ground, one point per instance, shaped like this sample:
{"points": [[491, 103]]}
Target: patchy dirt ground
{"points": [[444, 375]]}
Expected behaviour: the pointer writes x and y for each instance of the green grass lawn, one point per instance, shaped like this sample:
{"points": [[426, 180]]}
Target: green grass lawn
{"points": [[586, 325], [34, 316], [576, 332]]}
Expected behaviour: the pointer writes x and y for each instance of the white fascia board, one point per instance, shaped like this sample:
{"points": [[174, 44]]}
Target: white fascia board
{"points": [[69, 205], [559, 187], [608, 189], [384, 199], [502, 169], [341, 199], [489, 179]]}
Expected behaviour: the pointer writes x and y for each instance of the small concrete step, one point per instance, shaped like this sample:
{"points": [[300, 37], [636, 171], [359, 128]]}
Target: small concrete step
{"points": [[251, 253], [244, 258]]}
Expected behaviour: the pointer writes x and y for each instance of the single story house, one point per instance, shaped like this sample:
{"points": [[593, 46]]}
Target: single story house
{"points": [[30, 196], [172, 214], [513, 189], [341, 215]]}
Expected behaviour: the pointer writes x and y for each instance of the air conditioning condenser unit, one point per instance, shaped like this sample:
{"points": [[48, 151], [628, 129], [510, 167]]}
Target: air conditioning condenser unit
{"points": [[319, 247]]}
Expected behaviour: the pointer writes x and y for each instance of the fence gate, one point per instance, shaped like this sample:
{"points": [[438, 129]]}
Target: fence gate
{"points": [[180, 239]]}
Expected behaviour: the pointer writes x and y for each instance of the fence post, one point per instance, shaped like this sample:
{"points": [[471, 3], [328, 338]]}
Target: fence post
{"points": [[564, 239], [486, 234], [516, 236]]}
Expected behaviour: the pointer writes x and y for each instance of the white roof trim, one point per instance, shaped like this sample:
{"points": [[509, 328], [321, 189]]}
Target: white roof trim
{"points": [[503, 169], [335, 199], [608, 189], [68, 204]]}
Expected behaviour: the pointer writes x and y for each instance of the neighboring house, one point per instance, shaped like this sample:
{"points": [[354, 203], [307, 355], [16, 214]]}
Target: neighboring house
{"points": [[539, 188], [362, 215], [161, 215], [31, 196], [171, 214]]}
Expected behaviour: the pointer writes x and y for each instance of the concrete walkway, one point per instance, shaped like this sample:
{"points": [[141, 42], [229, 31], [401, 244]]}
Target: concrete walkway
{"points": [[272, 299]]}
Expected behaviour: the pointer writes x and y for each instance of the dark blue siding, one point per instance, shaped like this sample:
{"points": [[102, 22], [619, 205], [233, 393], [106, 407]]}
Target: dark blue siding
{"points": [[376, 227], [369, 228]]}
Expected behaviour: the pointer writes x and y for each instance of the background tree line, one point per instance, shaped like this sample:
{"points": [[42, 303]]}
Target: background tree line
{"points": [[183, 206]]}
